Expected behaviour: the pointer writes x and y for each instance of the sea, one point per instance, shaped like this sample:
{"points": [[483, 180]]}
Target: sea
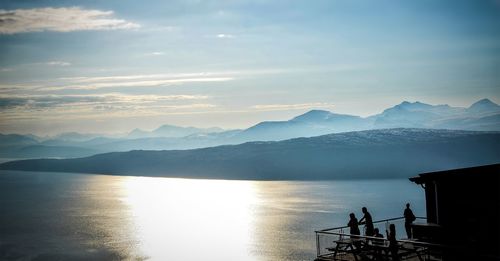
{"points": [[66, 216]]}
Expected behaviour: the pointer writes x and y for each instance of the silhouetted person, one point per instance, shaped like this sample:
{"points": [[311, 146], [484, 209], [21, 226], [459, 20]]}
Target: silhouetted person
{"points": [[376, 233], [393, 243], [378, 251], [409, 218], [354, 229], [367, 220], [353, 225]]}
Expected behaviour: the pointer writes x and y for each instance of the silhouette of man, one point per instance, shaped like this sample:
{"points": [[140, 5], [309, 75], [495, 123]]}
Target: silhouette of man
{"points": [[409, 218], [353, 224], [367, 220]]}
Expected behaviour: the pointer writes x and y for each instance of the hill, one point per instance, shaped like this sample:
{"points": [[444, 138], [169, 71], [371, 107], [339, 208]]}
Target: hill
{"points": [[387, 153]]}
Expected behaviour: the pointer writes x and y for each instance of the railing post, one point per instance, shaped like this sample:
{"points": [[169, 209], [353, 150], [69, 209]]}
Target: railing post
{"points": [[317, 245]]}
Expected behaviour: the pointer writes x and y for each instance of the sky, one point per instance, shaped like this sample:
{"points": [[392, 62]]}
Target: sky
{"points": [[112, 66]]}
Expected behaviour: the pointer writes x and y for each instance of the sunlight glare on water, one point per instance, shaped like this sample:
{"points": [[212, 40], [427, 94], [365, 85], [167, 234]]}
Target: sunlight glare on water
{"points": [[150, 218], [214, 216]]}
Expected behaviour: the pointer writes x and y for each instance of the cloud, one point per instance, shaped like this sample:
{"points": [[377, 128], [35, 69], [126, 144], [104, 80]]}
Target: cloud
{"points": [[120, 81], [148, 83], [280, 107], [130, 81], [138, 77], [155, 54], [89, 83], [46, 101], [30, 107], [225, 36], [59, 20], [38, 102], [58, 63]]}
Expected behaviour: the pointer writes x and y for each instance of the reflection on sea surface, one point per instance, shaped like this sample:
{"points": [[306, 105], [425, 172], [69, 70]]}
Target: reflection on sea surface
{"points": [[60, 216], [181, 219]]}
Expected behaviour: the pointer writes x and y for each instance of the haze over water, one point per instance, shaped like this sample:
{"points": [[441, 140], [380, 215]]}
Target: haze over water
{"points": [[46, 216]]}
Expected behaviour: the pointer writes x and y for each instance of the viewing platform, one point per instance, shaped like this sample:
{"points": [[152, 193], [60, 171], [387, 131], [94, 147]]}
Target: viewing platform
{"points": [[338, 244], [462, 223]]}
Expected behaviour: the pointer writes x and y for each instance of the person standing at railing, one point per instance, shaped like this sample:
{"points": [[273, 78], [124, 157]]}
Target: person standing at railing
{"points": [[368, 221], [393, 243], [354, 229], [353, 225], [409, 218]]}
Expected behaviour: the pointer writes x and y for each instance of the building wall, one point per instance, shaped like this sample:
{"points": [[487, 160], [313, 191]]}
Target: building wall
{"points": [[466, 204]]}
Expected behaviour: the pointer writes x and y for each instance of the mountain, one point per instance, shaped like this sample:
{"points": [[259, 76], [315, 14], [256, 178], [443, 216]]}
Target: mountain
{"points": [[75, 136], [138, 133], [484, 106], [318, 116], [43, 151], [387, 153], [170, 131], [312, 123], [176, 131], [407, 115], [67, 139], [17, 140], [483, 115], [489, 122]]}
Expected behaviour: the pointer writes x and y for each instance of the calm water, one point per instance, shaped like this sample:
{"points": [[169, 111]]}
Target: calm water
{"points": [[58, 216]]}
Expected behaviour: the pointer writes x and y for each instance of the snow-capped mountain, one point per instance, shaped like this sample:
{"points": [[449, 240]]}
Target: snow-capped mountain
{"points": [[483, 115]]}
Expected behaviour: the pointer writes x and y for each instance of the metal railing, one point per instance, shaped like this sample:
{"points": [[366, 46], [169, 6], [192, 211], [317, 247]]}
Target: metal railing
{"points": [[328, 243]]}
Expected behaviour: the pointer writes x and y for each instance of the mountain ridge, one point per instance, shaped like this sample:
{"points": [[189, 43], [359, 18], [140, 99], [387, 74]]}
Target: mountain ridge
{"points": [[387, 153], [172, 131], [483, 115]]}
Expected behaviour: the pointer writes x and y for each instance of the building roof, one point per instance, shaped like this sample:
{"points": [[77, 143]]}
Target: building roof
{"points": [[464, 173]]}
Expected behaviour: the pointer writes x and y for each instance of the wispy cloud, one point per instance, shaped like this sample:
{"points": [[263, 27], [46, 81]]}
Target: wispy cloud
{"points": [[89, 83], [119, 81], [7, 69], [60, 20], [297, 106], [98, 106], [45, 101], [155, 54], [141, 77], [225, 36], [37, 101], [139, 80], [149, 83], [58, 63]]}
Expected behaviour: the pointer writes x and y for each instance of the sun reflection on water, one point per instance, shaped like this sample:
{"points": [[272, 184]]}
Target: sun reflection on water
{"points": [[215, 216]]}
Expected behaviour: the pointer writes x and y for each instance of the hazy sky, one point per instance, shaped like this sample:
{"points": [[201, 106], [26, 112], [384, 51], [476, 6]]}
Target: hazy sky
{"points": [[111, 66]]}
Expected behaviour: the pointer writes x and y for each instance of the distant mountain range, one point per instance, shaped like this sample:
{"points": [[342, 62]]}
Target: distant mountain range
{"points": [[483, 115], [171, 131], [386, 153]]}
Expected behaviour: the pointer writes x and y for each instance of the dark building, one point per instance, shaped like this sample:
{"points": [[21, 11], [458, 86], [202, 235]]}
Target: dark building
{"points": [[463, 207]]}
